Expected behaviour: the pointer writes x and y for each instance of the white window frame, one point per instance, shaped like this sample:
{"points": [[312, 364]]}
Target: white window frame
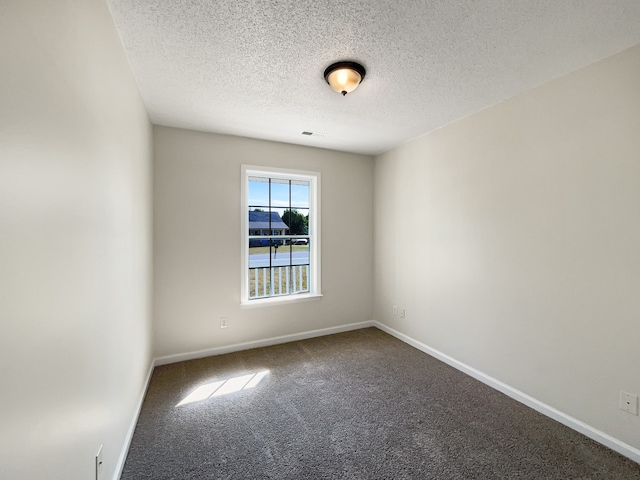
{"points": [[315, 284]]}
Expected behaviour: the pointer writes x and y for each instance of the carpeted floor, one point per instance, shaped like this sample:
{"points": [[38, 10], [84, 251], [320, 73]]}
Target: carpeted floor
{"points": [[356, 405]]}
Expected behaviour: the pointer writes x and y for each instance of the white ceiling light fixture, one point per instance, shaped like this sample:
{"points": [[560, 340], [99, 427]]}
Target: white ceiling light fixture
{"points": [[344, 77]]}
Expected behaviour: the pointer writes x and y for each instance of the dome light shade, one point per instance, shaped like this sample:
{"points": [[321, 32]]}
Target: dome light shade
{"points": [[344, 77]]}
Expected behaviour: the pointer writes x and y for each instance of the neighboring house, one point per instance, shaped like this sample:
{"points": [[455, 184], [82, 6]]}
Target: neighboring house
{"points": [[265, 223]]}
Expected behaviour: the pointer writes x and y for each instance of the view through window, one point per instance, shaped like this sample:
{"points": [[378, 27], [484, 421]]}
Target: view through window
{"points": [[280, 234]]}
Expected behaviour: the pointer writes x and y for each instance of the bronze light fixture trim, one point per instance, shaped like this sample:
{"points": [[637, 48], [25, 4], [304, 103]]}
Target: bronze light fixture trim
{"points": [[344, 77]]}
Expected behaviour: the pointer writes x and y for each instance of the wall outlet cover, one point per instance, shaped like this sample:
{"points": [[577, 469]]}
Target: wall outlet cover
{"points": [[629, 402]]}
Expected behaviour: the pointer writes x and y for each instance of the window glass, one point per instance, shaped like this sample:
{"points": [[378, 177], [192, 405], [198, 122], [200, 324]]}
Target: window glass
{"points": [[280, 255]]}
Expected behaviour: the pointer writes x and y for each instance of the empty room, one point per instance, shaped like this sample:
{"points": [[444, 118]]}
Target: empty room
{"points": [[319, 239]]}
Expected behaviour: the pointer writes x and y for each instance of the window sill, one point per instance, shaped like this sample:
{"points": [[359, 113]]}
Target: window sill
{"points": [[268, 302]]}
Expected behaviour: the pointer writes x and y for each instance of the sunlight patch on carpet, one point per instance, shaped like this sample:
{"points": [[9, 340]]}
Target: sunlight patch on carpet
{"points": [[224, 387]]}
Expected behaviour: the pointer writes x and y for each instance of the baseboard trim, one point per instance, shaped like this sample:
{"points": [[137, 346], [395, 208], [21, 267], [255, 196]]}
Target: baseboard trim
{"points": [[132, 426], [573, 423], [181, 357], [220, 351]]}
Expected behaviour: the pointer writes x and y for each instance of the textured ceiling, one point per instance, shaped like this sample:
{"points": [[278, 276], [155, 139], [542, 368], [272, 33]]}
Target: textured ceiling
{"points": [[254, 67]]}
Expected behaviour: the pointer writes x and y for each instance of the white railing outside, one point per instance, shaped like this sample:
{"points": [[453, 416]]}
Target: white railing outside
{"points": [[275, 281]]}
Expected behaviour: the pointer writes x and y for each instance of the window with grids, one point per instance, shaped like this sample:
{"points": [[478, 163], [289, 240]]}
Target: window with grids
{"points": [[280, 230]]}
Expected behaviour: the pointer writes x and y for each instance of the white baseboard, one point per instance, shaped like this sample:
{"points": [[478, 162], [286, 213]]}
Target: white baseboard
{"points": [[573, 423], [219, 351], [181, 357], [132, 426]]}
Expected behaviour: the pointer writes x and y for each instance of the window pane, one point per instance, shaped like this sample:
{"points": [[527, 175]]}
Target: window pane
{"points": [[304, 214], [300, 252], [279, 193], [259, 223], [280, 252], [258, 253], [278, 227], [299, 279], [299, 194], [258, 192], [259, 282], [296, 221], [281, 280]]}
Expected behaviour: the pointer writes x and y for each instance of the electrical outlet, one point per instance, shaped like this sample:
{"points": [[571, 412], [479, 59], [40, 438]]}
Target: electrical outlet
{"points": [[629, 402], [223, 322], [99, 464], [395, 310], [402, 313]]}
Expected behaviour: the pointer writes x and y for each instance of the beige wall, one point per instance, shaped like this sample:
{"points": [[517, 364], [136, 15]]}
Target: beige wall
{"points": [[512, 238], [196, 184], [75, 152]]}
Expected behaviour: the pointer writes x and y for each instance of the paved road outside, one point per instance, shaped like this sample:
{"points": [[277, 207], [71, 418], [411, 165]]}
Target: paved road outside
{"points": [[280, 259]]}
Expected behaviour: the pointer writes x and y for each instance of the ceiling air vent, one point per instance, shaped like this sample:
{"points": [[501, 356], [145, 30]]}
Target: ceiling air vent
{"points": [[313, 134]]}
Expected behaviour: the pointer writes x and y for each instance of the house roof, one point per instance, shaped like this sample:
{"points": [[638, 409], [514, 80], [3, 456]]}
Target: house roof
{"points": [[259, 220]]}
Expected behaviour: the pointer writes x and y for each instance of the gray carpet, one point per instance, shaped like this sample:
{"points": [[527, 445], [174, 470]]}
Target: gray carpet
{"points": [[357, 405]]}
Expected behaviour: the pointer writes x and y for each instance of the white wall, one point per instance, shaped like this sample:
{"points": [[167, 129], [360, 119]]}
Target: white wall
{"points": [[197, 241], [75, 152], [512, 238]]}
